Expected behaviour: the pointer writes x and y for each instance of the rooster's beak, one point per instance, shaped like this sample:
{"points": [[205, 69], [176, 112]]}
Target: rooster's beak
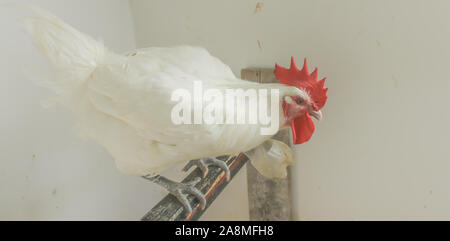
{"points": [[317, 114]]}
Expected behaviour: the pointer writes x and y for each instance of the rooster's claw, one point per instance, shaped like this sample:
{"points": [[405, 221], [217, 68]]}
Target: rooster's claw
{"points": [[182, 190], [205, 162]]}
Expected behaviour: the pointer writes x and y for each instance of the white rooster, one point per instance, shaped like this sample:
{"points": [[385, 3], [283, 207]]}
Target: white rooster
{"points": [[124, 103]]}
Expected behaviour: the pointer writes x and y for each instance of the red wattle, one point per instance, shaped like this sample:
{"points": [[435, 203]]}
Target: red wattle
{"points": [[302, 128]]}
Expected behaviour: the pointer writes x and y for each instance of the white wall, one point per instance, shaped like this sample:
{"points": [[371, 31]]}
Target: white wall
{"points": [[381, 151], [46, 172]]}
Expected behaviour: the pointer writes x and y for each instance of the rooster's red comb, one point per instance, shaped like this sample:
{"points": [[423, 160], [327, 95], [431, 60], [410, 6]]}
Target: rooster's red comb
{"points": [[303, 80]]}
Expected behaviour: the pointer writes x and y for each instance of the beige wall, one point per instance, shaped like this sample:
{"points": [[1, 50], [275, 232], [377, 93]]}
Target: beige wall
{"points": [[381, 151]]}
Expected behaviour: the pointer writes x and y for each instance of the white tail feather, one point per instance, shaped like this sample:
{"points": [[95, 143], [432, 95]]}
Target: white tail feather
{"points": [[72, 55]]}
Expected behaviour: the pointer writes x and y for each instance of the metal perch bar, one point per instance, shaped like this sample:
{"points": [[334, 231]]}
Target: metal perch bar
{"points": [[170, 209]]}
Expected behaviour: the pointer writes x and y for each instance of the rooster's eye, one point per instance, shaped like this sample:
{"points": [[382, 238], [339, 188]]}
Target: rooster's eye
{"points": [[299, 100]]}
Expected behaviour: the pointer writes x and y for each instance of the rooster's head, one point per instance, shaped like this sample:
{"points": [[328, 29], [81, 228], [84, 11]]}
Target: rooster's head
{"points": [[298, 110]]}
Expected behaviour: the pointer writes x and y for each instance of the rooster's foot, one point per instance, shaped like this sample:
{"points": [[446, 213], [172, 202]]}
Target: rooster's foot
{"points": [[205, 162], [180, 190]]}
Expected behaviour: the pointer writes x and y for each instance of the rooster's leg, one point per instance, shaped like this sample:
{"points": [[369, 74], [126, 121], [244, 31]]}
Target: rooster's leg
{"points": [[205, 162], [180, 190]]}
